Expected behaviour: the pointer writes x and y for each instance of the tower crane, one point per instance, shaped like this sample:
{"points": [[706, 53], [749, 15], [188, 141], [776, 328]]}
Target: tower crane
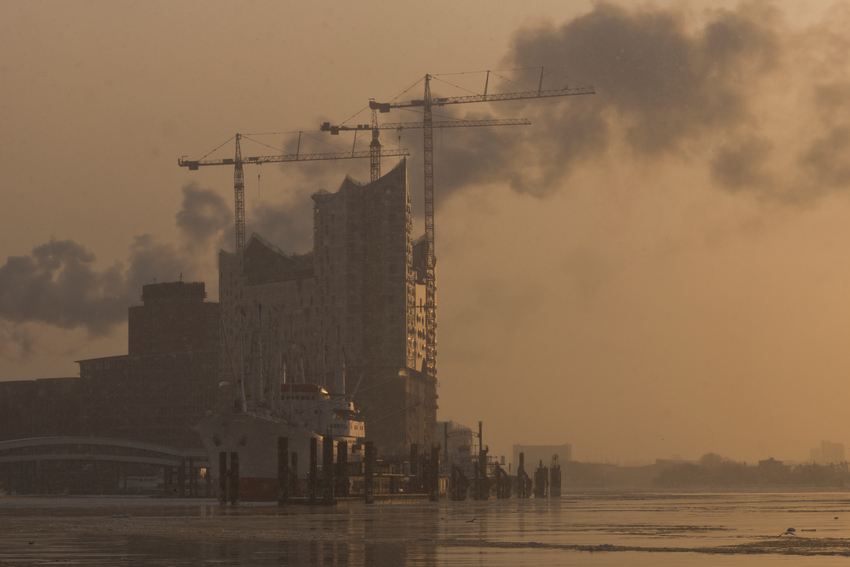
{"points": [[373, 251], [427, 103], [238, 177]]}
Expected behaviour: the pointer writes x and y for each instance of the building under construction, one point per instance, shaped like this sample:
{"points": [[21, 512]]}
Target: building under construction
{"points": [[354, 302]]}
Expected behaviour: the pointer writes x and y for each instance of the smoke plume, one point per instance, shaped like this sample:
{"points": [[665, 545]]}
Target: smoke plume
{"points": [[288, 226], [60, 284], [740, 94], [203, 218]]}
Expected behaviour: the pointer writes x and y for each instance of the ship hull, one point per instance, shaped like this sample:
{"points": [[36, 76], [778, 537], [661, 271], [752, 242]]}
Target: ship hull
{"points": [[255, 439]]}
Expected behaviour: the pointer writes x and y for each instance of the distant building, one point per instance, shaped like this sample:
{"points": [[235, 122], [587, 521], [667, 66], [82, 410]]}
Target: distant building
{"points": [[831, 453], [771, 463]]}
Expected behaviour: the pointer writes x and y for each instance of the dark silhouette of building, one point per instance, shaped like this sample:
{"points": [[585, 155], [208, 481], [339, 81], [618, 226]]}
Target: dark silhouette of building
{"points": [[355, 297], [157, 393], [39, 408], [162, 388]]}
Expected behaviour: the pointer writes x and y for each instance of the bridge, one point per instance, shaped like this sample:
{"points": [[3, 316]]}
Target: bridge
{"points": [[34, 465]]}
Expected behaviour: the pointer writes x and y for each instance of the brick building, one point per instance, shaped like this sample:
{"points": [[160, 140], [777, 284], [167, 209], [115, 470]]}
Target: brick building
{"points": [[156, 393], [162, 388], [173, 317]]}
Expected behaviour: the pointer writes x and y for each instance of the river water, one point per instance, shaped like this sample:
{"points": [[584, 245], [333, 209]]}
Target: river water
{"points": [[588, 529]]}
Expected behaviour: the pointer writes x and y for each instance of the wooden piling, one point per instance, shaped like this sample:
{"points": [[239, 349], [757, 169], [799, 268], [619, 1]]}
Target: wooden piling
{"points": [[541, 481], [484, 482], [368, 473], [342, 481], [434, 477], [234, 478], [223, 474], [555, 480], [328, 470], [312, 486], [414, 469], [293, 476], [283, 481]]}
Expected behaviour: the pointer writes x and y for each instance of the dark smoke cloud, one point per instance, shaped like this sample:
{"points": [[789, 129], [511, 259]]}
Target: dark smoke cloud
{"points": [[284, 214], [741, 165], [826, 158], [668, 88], [287, 226], [204, 216], [16, 342], [59, 283]]}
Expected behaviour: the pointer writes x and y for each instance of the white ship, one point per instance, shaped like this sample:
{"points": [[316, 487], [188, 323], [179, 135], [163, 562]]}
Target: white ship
{"points": [[299, 412]]}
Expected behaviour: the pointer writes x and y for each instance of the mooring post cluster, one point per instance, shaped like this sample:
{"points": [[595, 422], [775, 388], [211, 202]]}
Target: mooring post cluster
{"points": [[424, 475]]}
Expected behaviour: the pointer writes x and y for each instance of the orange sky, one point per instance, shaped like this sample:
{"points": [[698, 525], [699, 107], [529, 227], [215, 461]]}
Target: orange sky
{"points": [[656, 270]]}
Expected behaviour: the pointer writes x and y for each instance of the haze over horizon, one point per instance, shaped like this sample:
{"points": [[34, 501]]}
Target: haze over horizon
{"points": [[654, 270]]}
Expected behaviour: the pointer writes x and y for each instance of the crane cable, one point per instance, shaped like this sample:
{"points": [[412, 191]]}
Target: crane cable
{"points": [[215, 149]]}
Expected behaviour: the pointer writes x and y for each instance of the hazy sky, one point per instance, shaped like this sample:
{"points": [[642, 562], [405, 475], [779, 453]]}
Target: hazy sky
{"points": [[656, 270]]}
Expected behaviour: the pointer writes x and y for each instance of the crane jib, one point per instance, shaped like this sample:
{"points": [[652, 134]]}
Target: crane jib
{"points": [[381, 106], [194, 165]]}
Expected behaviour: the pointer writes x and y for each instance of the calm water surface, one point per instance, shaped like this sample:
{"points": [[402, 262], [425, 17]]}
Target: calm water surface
{"points": [[577, 529]]}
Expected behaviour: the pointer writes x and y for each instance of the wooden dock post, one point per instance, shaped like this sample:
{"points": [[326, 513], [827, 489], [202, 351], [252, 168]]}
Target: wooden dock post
{"points": [[283, 480], [328, 470], [312, 486], [234, 478], [415, 482], [541, 481], [293, 475], [434, 476], [223, 474], [368, 473], [342, 482]]}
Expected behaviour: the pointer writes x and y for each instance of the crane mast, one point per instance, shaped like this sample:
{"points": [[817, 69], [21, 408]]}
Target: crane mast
{"points": [[427, 103], [375, 150], [239, 195], [430, 276], [374, 248]]}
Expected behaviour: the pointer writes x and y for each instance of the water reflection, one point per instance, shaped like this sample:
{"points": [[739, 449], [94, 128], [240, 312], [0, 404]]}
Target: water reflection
{"points": [[578, 529]]}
